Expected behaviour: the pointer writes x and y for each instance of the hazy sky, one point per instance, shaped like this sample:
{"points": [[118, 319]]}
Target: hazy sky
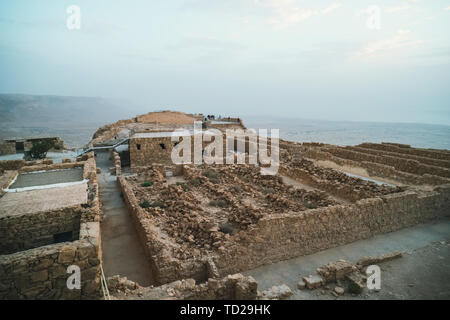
{"points": [[310, 59]]}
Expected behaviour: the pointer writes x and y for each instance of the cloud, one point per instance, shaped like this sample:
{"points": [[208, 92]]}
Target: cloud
{"points": [[402, 39], [206, 43], [103, 28], [404, 6], [286, 13], [399, 7], [447, 8]]}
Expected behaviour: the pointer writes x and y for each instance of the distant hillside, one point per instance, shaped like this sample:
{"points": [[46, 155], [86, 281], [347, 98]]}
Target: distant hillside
{"points": [[41, 109], [75, 119]]}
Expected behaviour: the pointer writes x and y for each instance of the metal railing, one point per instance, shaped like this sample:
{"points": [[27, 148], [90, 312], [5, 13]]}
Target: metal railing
{"points": [[105, 147], [105, 290]]}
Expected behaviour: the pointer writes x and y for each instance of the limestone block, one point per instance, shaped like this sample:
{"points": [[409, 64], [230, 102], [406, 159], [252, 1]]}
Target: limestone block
{"points": [[246, 289], [313, 281], [67, 254], [277, 292]]}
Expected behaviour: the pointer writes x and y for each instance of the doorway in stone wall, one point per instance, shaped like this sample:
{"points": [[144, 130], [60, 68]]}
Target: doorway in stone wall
{"points": [[20, 148]]}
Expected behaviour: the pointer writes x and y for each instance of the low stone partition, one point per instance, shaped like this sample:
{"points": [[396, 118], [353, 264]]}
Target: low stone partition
{"points": [[405, 149], [286, 236], [424, 160], [48, 167], [231, 287], [341, 190], [42, 272], [401, 164], [377, 169]]}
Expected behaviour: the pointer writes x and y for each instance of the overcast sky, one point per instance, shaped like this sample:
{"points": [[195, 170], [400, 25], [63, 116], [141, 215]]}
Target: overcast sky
{"points": [[309, 59]]}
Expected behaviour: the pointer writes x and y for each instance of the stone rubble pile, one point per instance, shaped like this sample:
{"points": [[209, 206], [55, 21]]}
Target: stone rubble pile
{"points": [[231, 287], [344, 274]]}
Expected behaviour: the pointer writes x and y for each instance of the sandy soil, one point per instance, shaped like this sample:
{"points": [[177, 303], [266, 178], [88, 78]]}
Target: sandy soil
{"points": [[166, 117]]}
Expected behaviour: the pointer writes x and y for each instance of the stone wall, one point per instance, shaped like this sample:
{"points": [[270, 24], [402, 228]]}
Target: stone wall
{"points": [[165, 269], [231, 287], [145, 151], [424, 160], [13, 164], [343, 191], [41, 273], [285, 236], [117, 163], [401, 164], [28, 231], [7, 148], [377, 169], [405, 149]]}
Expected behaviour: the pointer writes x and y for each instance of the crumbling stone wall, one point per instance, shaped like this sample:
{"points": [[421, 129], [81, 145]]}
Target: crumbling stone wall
{"points": [[424, 160], [406, 149], [334, 182], [377, 169], [231, 287], [285, 236], [401, 164]]}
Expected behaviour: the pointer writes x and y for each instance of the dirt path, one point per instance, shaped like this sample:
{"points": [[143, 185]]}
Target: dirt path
{"points": [[122, 252]]}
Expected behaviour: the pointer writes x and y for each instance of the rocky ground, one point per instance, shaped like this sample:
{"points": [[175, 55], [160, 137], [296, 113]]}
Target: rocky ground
{"points": [[213, 206], [419, 274]]}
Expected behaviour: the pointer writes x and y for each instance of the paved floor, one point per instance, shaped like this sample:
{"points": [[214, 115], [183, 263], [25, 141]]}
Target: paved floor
{"points": [[423, 272], [40, 178], [33, 201], [122, 252]]}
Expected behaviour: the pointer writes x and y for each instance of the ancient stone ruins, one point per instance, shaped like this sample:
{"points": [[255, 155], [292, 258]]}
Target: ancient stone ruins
{"points": [[201, 226]]}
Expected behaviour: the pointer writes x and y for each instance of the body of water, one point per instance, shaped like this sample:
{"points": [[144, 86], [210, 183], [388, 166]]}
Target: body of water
{"points": [[346, 133]]}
